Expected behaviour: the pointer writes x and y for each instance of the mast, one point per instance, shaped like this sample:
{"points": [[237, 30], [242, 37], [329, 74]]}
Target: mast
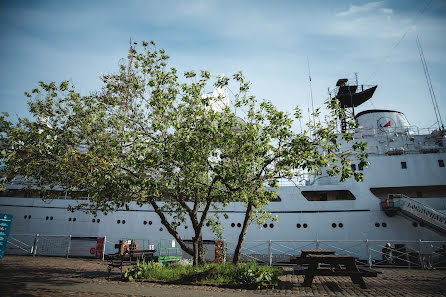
{"points": [[429, 85]]}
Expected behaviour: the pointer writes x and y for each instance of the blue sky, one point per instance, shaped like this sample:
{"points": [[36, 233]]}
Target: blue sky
{"points": [[270, 41]]}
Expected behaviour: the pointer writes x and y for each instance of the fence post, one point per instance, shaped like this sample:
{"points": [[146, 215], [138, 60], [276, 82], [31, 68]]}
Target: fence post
{"points": [[34, 248], [270, 248], [69, 246], [369, 255], [103, 247], [420, 248]]}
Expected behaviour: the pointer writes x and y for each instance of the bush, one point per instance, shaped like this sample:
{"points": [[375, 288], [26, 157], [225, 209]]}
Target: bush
{"points": [[248, 274]]}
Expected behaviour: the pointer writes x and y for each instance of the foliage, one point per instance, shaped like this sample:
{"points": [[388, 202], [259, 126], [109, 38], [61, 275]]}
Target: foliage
{"points": [[248, 274], [151, 136]]}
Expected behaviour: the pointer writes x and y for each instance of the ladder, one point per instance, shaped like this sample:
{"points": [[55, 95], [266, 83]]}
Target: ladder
{"points": [[415, 210]]}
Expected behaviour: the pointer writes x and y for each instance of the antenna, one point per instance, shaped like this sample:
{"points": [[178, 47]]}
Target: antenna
{"points": [[429, 85]]}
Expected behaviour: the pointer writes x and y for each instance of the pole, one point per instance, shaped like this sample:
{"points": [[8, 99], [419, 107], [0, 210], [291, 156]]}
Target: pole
{"points": [[69, 246], [270, 248], [36, 241]]}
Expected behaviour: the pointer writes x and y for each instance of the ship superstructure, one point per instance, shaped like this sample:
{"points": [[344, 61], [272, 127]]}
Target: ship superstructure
{"points": [[403, 160]]}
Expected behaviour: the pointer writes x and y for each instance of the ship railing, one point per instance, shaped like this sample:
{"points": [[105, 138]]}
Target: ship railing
{"points": [[372, 253]]}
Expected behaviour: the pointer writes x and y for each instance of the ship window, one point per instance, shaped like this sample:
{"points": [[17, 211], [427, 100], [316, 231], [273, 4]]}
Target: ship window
{"points": [[232, 225], [403, 165], [333, 225], [360, 167], [376, 225], [51, 218], [265, 225], [47, 218], [93, 220], [340, 225], [69, 219], [271, 225], [328, 195], [298, 225], [74, 219], [123, 221], [145, 222], [384, 224], [441, 163], [150, 222], [25, 217], [98, 220], [207, 224], [305, 225], [354, 167], [239, 225], [119, 222]]}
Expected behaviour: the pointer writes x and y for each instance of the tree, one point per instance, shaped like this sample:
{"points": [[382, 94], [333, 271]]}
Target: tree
{"points": [[151, 137]]}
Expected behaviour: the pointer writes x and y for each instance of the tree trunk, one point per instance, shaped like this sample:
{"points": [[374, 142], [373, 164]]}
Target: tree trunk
{"points": [[196, 250], [241, 238]]}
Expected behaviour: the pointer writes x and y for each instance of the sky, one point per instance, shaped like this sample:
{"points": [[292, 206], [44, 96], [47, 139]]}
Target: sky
{"points": [[275, 43]]}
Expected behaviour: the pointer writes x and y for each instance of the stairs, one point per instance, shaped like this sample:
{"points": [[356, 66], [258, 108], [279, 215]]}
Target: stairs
{"points": [[414, 210]]}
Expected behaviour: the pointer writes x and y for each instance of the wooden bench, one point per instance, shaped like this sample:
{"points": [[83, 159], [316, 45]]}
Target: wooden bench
{"points": [[128, 258]]}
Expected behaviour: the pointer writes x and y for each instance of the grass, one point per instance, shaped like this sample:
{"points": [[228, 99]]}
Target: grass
{"points": [[248, 274]]}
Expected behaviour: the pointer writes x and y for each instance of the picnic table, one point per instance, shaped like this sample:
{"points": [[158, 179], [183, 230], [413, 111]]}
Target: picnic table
{"points": [[306, 252], [340, 265]]}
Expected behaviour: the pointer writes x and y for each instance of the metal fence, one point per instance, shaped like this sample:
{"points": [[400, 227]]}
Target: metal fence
{"points": [[411, 254], [403, 253], [55, 245]]}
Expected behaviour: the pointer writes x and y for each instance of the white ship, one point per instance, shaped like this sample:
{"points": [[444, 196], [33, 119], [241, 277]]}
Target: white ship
{"points": [[403, 160]]}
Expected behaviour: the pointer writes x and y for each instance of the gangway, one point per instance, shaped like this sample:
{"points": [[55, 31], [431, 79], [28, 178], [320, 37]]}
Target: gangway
{"points": [[415, 210]]}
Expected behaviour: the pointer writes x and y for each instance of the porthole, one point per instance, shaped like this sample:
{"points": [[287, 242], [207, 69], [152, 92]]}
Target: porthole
{"points": [[271, 225], [150, 222], [415, 224], [239, 225], [340, 225], [207, 224], [69, 219], [298, 225], [305, 225], [384, 224], [74, 219], [29, 217], [118, 221], [98, 220], [123, 221], [333, 225], [93, 220], [47, 218], [441, 163], [403, 165], [265, 225], [232, 225], [51, 218], [145, 222], [376, 225], [25, 217]]}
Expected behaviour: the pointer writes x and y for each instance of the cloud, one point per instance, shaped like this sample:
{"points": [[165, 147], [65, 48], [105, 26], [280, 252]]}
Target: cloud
{"points": [[371, 7]]}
